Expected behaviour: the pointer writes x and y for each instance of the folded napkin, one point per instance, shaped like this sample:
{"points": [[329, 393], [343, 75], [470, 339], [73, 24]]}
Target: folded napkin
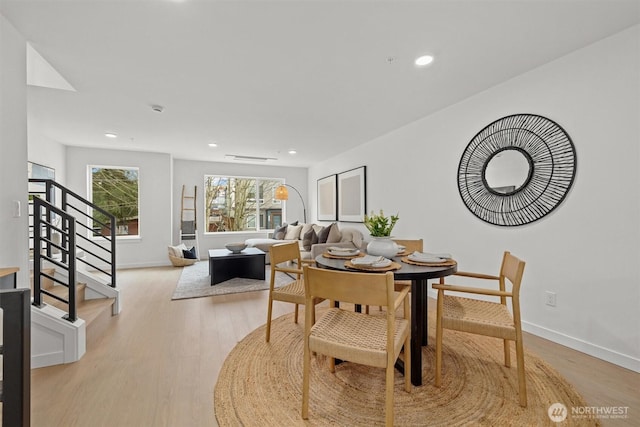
{"points": [[339, 249], [427, 257], [376, 261]]}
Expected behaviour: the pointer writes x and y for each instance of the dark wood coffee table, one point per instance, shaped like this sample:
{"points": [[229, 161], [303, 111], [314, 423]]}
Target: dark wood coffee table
{"points": [[225, 265]]}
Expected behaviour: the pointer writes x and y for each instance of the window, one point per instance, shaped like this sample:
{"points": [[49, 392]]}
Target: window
{"points": [[241, 204], [116, 191]]}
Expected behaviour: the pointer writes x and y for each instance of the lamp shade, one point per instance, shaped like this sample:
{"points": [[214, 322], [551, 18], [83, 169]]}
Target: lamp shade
{"points": [[282, 193]]}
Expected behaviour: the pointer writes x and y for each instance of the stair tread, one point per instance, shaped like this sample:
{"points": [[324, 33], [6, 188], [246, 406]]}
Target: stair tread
{"points": [[87, 309], [90, 309], [61, 290]]}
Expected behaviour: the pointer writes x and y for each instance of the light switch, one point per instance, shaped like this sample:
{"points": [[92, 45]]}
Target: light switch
{"points": [[16, 208]]}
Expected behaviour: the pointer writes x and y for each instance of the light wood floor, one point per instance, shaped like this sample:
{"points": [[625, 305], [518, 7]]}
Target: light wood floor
{"points": [[156, 363]]}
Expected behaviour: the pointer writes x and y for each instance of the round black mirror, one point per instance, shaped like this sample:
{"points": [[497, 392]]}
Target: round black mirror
{"points": [[507, 171], [516, 170]]}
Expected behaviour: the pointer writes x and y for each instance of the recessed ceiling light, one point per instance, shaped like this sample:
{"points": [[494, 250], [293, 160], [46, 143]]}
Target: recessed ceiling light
{"points": [[424, 60], [292, 151], [111, 135], [213, 144]]}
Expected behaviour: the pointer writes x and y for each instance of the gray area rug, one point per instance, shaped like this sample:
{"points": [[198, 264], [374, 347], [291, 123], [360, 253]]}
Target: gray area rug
{"points": [[195, 282]]}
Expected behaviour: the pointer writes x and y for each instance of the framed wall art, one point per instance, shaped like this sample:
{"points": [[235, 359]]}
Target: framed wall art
{"points": [[352, 195], [327, 198]]}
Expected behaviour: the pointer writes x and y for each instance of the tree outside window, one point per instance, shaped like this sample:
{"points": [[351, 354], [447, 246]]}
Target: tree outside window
{"points": [[241, 204], [116, 191]]}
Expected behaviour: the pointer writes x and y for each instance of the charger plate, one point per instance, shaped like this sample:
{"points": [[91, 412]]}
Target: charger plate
{"points": [[446, 263], [330, 255], [390, 267]]}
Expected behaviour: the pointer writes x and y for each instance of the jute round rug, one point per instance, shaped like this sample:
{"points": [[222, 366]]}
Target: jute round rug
{"points": [[260, 384]]}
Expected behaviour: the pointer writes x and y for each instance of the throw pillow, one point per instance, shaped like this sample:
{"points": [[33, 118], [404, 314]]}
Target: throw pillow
{"points": [[294, 223], [190, 253], [176, 251], [305, 229], [310, 238], [334, 234], [173, 251], [280, 232], [322, 236], [293, 232]]}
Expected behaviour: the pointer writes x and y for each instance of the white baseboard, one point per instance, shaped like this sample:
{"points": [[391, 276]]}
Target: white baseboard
{"points": [[125, 266], [50, 359], [591, 349]]}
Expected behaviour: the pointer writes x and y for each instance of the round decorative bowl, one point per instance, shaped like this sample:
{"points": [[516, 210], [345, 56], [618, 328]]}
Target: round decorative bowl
{"points": [[236, 248]]}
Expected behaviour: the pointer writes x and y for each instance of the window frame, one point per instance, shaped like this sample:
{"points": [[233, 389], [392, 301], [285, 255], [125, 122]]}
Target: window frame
{"points": [[90, 168], [257, 213]]}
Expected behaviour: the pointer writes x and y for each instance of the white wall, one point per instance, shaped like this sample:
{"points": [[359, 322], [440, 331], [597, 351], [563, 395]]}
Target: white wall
{"points": [[191, 173], [14, 235], [587, 250], [155, 199], [43, 150]]}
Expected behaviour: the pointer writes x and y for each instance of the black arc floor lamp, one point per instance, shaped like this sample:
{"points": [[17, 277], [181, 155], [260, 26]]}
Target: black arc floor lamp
{"points": [[283, 194]]}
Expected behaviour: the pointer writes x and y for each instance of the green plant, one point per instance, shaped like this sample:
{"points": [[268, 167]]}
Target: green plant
{"points": [[380, 225]]}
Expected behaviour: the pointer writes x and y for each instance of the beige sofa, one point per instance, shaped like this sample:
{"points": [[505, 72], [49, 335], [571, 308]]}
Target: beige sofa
{"points": [[309, 248]]}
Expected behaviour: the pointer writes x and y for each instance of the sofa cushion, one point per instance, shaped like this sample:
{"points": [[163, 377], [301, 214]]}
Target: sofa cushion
{"points": [[334, 234], [317, 228], [293, 232], [310, 238], [352, 235], [324, 234], [305, 229], [280, 232]]}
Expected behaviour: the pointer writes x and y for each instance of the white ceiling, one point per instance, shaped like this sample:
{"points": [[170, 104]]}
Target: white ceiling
{"points": [[263, 77]]}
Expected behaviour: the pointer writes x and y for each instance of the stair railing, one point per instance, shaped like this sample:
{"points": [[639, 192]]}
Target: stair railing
{"points": [[15, 387], [76, 205], [42, 250]]}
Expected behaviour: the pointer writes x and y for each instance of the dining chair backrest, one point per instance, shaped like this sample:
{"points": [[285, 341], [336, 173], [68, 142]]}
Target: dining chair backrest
{"points": [[350, 287], [411, 245], [512, 269], [283, 252]]}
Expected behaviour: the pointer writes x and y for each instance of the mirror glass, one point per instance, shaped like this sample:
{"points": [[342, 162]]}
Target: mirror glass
{"points": [[507, 171]]}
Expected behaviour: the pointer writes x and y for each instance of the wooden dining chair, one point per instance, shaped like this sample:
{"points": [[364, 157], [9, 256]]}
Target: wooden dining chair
{"points": [[282, 256], [371, 340], [485, 317], [411, 246]]}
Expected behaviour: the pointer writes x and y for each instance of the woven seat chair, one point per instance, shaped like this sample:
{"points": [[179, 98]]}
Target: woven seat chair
{"points": [[485, 317], [411, 247], [282, 255], [371, 340]]}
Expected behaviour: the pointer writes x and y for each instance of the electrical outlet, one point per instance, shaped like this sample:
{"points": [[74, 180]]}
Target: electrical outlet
{"points": [[550, 298]]}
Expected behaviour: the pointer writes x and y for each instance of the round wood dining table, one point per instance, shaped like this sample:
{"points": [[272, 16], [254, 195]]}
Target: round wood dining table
{"points": [[419, 276]]}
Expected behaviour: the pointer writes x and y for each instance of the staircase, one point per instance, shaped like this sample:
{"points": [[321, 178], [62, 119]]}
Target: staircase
{"points": [[73, 276]]}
